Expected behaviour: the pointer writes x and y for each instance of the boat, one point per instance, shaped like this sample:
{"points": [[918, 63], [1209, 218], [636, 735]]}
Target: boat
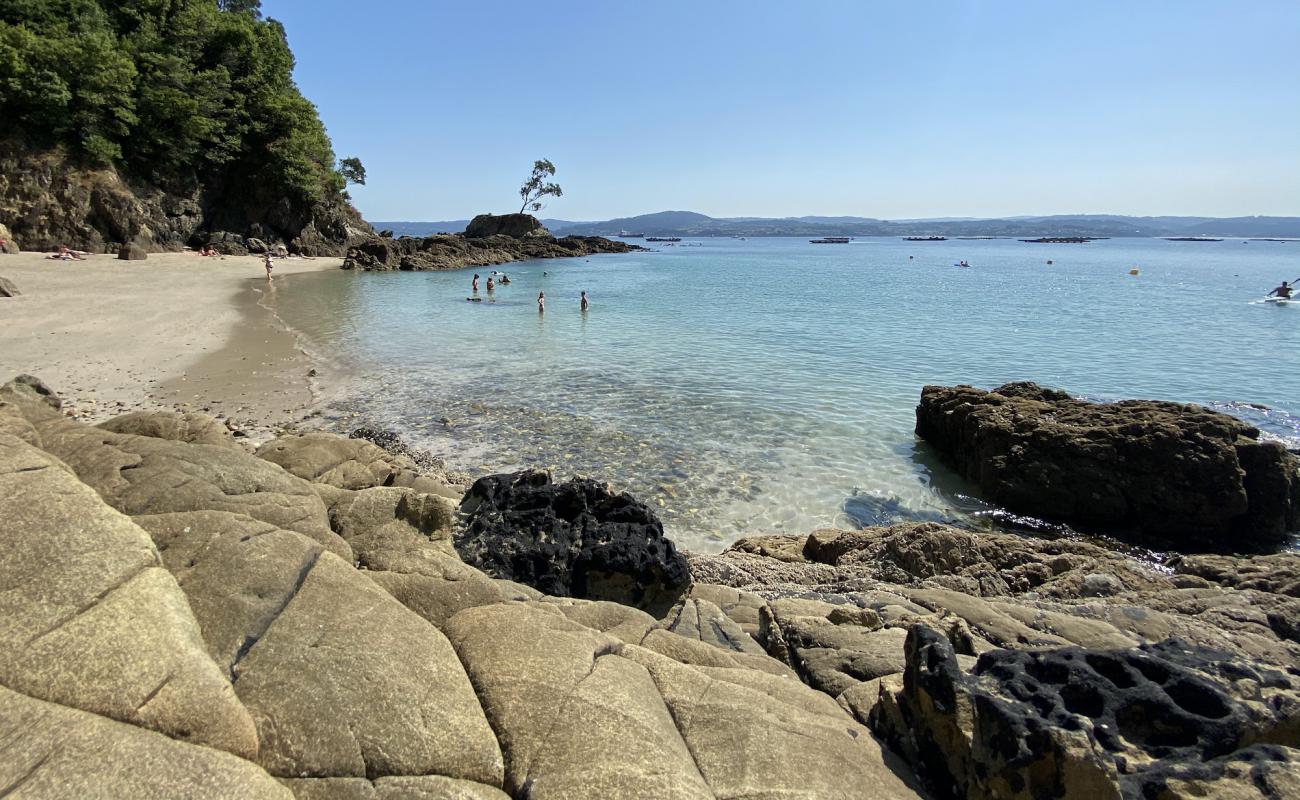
{"points": [[663, 238], [626, 235], [1189, 239], [925, 238], [831, 240], [1064, 239]]}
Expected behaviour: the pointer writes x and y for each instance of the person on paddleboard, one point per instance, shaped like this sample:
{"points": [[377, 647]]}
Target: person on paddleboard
{"points": [[1284, 291]]}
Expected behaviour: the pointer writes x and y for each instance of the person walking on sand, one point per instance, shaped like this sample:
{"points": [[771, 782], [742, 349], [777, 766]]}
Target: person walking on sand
{"points": [[475, 283], [270, 265], [541, 302], [584, 301]]}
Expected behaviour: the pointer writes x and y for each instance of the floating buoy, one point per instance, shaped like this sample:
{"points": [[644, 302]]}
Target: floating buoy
{"points": [[1133, 271]]}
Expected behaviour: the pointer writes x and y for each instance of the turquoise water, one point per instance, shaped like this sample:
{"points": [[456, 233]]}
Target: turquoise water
{"points": [[768, 385]]}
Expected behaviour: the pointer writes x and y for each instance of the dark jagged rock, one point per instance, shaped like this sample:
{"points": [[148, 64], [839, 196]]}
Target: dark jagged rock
{"points": [[455, 251], [575, 539], [1079, 723], [7, 288], [1195, 478], [132, 252], [516, 226]]}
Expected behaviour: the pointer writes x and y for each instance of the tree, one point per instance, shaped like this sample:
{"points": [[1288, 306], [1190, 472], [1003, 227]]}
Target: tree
{"points": [[535, 188], [352, 171], [251, 7]]}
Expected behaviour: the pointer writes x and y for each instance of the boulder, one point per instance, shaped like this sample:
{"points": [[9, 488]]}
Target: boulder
{"points": [[350, 463], [7, 288], [132, 252], [1075, 722], [575, 539], [1196, 478], [90, 619], [51, 751], [516, 226], [145, 475], [255, 246], [346, 682], [192, 426], [575, 719]]}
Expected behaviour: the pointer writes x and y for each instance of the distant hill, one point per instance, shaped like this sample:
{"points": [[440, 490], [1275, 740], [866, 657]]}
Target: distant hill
{"points": [[690, 223]]}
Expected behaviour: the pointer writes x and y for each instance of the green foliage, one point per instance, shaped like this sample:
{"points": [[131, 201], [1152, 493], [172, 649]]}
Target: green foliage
{"points": [[536, 187], [179, 92], [352, 171]]}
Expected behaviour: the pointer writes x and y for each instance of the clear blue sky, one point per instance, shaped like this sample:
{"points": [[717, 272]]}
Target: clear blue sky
{"points": [[911, 108]]}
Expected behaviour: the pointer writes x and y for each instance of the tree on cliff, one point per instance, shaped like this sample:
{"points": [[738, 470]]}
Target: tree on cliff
{"points": [[181, 94], [536, 187], [352, 171]]}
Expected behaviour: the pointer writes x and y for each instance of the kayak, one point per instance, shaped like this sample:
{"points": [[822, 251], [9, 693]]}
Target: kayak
{"points": [[1282, 301]]}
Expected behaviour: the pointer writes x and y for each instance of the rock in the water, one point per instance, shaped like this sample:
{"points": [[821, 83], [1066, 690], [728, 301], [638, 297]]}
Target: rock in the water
{"points": [[7, 288], [1198, 478], [1075, 722], [515, 226], [575, 539], [132, 252]]}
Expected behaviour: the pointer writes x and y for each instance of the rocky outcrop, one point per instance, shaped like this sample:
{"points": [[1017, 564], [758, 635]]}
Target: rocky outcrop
{"points": [[1195, 478], [7, 288], [132, 252], [354, 463], [455, 251], [8, 245], [577, 539], [1087, 723], [516, 226], [47, 201], [194, 427]]}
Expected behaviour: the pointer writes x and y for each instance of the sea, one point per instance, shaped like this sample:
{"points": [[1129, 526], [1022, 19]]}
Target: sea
{"points": [[769, 385]]}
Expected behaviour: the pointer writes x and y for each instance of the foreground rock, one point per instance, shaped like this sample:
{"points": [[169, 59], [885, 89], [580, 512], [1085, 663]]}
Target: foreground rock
{"points": [[1196, 478], [576, 539], [180, 619], [7, 288]]}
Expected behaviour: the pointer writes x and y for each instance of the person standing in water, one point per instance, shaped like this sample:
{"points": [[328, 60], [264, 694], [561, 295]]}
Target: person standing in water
{"points": [[269, 264], [541, 302], [475, 284], [584, 301], [491, 285]]}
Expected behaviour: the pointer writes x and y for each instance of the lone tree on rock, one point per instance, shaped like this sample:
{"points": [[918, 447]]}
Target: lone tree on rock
{"points": [[535, 188]]}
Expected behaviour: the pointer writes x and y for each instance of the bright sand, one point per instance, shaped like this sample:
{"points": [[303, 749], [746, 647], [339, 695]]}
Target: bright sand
{"points": [[174, 331]]}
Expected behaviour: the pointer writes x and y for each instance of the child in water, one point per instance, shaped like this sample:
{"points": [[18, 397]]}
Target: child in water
{"points": [[269, 266], [476, 283], [584, 301], [541, 302]]}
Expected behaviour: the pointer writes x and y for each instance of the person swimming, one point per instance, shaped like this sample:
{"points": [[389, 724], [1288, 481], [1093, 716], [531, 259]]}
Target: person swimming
{"points": [[584, 301], [504, 279], [1284, 291], [475, 283]]}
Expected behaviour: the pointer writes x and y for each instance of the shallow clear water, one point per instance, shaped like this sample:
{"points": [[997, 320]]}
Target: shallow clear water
{"points": [[765, 385]]}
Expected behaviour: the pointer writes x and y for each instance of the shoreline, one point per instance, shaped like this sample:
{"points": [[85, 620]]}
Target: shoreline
{"points": [[194, 333]]}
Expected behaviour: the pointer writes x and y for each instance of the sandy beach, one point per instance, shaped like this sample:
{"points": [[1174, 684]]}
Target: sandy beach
{"points": [[174, 331]]}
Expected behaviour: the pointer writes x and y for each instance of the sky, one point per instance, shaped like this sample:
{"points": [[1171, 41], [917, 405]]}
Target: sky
{"points": [[908, 108]]}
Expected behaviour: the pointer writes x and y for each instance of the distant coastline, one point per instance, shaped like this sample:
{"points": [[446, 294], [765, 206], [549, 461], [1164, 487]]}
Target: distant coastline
{"points": [[691, 224]]}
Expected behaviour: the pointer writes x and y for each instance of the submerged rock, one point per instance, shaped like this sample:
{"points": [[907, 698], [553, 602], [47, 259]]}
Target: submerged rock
{"points": [[1194, 477], [575, 539]]}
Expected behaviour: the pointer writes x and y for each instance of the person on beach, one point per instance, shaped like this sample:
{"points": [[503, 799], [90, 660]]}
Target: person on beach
{"points": [[1284, 291], [270, 264], [584, 301], [541, 302], [475, 284]]}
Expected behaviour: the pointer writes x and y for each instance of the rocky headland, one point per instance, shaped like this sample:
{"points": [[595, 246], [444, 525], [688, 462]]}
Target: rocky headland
{"points": [[324, 617], [489, 240]]}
